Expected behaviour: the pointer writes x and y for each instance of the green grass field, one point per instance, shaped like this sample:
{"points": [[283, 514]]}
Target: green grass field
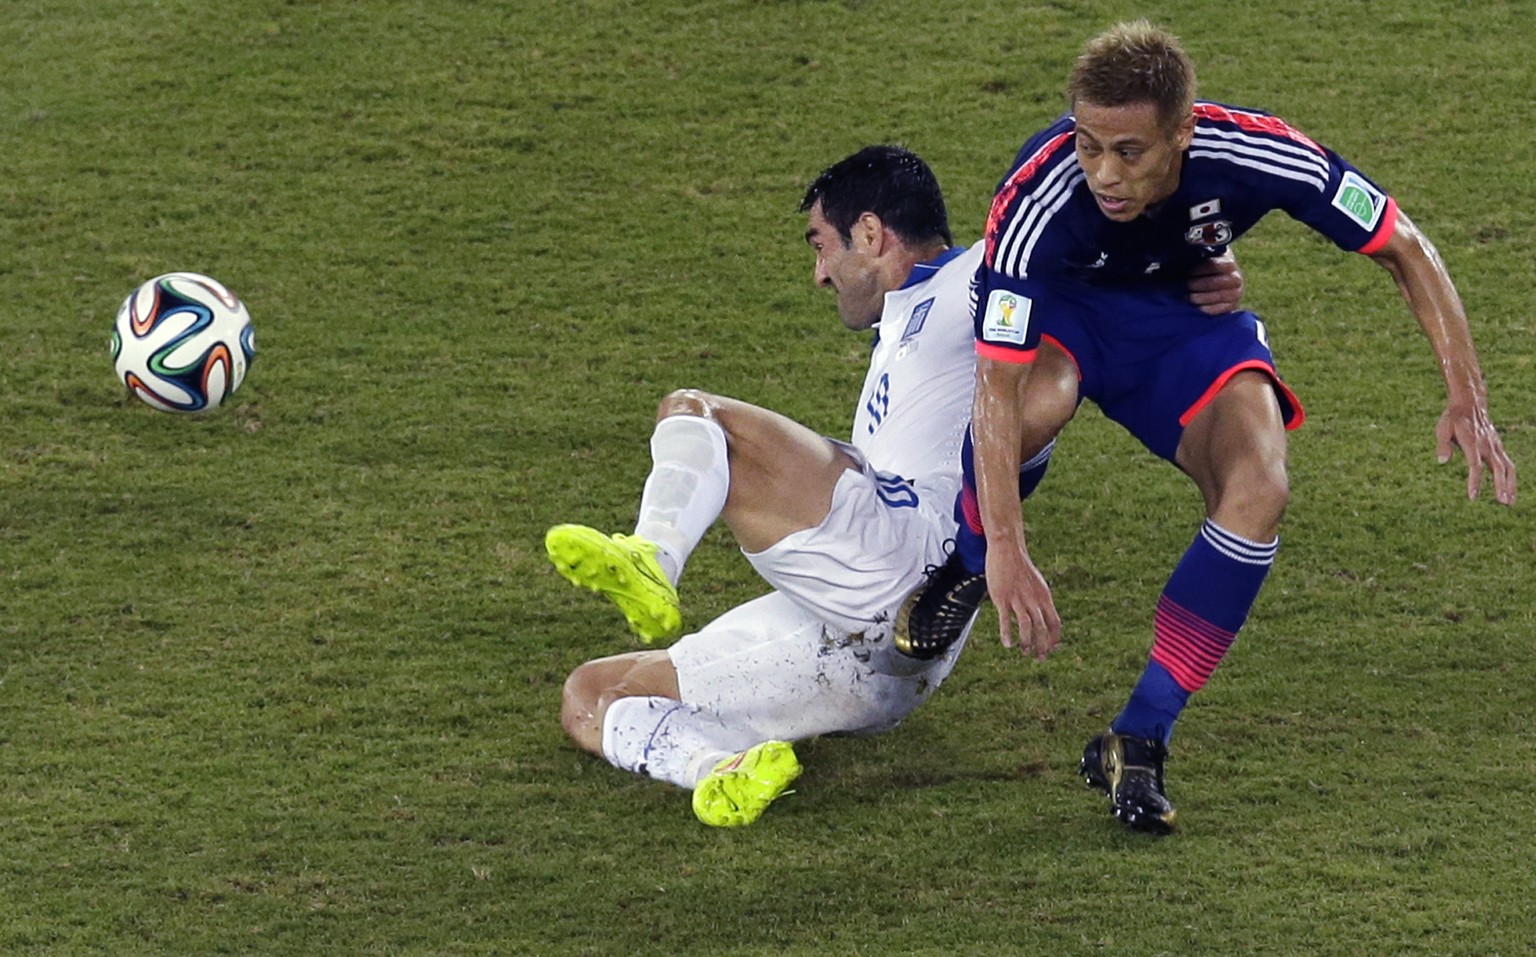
{"points": [[284, 679]]}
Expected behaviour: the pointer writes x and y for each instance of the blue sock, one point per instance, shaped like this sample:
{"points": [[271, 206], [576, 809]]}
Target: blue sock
{"points": [[1154, 706], [1032, 473], [970, 541], [1198, 616]]}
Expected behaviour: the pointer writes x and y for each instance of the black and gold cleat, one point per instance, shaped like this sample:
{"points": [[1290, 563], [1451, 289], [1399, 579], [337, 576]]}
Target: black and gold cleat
{"points": [[936, 615], [1130, 771]]}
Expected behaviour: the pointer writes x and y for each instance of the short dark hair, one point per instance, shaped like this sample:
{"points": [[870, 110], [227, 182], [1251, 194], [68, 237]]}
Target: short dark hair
{"points": [[890, 181], [1135, 62]]}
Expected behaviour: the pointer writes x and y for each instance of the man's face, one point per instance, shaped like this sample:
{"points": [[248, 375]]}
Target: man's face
{"points": [[1131, 158], [849, 269]]}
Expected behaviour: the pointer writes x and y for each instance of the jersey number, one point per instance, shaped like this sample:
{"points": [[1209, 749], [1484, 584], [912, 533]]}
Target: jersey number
{"points": [[879, 403]]}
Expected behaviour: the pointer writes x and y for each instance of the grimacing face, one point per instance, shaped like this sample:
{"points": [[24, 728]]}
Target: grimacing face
{"points": [[1131, 158], [849, 269]]}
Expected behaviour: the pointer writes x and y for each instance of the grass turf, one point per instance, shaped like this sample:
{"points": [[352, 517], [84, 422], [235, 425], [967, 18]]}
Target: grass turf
{"points": [[283, 679]]}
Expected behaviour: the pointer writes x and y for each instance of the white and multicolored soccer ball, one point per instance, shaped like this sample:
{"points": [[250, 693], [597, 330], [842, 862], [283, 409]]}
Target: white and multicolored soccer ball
{"points": [[183, 342]]}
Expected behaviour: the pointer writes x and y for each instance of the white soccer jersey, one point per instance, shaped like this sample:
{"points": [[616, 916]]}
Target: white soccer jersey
{"points": [[816, 657], [916, 402]]}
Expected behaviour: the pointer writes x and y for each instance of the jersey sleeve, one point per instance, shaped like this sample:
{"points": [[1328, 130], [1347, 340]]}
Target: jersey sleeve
{"points": [[1285, 169], [1002, 294], [1001, 306], [1355, 213]]}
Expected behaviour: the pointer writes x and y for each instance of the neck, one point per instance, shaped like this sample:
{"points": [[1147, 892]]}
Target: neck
{"points": [[932, 250], [916, 256]]}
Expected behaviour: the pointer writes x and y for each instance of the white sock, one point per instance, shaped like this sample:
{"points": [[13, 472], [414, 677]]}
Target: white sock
{"points": [[667, 740], [686, 489]]}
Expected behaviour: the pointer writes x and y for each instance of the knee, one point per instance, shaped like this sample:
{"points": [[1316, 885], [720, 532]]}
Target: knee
{"points": [[582, 702], [686, 402], [1257, 501], [1271, 489], [595, 685]]}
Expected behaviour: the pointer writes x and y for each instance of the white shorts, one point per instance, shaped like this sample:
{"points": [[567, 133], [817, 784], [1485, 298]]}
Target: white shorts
{"points": [[774, 669], [872, 550]]}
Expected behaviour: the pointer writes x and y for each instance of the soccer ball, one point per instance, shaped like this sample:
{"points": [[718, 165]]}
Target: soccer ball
{"points": [[182, 342]]}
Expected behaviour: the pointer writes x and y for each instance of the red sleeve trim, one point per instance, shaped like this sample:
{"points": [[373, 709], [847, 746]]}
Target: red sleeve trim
{"points": [[1384, 231], [1004, 354]]}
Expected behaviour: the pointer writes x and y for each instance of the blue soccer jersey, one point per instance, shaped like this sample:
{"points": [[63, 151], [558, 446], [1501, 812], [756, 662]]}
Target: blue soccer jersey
{"points": [[1045, 230]]}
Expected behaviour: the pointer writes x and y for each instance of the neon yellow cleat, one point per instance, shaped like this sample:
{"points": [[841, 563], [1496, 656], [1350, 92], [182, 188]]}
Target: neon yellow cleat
{"points": [[624, 568], [740, 788]]}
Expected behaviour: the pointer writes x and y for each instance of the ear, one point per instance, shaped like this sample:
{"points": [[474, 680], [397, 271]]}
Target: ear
{"points": [[1185, 132], [868, 233]]}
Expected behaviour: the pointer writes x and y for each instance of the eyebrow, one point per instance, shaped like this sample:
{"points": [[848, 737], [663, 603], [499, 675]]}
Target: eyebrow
{"points": [[1113, 142]]}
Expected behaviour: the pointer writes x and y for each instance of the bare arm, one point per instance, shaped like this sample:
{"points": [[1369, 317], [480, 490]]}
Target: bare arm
{"points": [[1014, 584], [1422, 278]]}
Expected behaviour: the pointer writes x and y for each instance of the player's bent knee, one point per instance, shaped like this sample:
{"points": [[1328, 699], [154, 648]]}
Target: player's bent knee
{"points": [[1253, 505], [693, 402], [581, 706], [596, 684], [1269, 487]]}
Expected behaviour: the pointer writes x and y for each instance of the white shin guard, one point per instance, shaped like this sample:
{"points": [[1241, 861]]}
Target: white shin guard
{"points": [[686, 489]]}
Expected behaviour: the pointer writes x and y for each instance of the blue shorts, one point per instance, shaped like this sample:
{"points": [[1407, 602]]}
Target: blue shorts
{"points": [[1151, 360]]}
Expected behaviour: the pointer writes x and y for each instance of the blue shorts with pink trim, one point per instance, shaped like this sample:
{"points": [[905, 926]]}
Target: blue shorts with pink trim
{"points": [[1151, 360]]}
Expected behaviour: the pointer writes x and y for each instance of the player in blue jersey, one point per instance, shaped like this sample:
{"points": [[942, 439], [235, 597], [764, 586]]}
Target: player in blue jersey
{"points": [[1088, 239]]}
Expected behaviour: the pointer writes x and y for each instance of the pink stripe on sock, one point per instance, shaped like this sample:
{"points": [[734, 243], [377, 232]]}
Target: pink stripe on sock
{"points": [[1187, 645]]}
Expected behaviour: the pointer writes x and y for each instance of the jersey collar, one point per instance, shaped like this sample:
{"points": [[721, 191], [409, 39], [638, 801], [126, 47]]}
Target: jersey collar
{"points": [[922, 272]]}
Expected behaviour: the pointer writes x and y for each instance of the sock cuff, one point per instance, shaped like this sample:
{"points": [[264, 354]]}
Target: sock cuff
{"points": [[611, 717], [1238, 548], [1039, 458], [629, 718], [694, 441]]}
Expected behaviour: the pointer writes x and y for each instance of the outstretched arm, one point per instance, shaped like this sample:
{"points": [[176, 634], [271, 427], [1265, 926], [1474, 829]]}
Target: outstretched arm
{"points": [[1422, 278]]}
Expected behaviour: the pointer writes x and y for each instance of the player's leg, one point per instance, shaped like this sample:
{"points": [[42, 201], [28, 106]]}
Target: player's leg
{"points": [[682, 496], [713, 713], [712, 457], [1235, 451], [775, 667], [1200, 392], [596, 684], [626, 710], [782, 474]]}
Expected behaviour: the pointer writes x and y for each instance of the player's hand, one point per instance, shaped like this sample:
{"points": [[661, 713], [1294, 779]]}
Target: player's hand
{"points": [[1216, 285], [1021, 596], [1466, 426]]}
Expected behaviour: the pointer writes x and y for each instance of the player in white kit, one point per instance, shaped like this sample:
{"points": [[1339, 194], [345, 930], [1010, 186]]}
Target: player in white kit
{"points": [[843, 531]]}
